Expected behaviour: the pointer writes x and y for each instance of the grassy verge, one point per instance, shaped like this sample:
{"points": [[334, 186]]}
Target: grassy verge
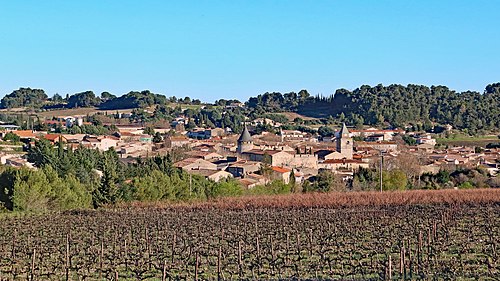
{"points": [[340, 199], [464, 140]]}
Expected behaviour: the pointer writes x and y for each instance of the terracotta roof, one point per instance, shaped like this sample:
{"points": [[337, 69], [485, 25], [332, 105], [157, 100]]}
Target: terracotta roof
{"points": [[182, 138], [24, 133], [280, 169], [54, 137], [205, 172], [187, 161]]}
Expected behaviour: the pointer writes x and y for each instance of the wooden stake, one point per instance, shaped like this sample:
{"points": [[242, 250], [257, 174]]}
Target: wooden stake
{"points": [[219, 260], [390, 268], [101, 260], [240, 262], [33, 265], [164, 271], [196, 267], [67, 257], [173, 247]]}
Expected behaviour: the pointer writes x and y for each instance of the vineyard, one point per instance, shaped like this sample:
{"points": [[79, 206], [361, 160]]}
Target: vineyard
{"points": [[414, 240]]}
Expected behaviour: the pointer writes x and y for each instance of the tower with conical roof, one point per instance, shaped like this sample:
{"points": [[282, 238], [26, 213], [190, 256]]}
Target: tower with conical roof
{"points": [[344, 143], [245, 142]]}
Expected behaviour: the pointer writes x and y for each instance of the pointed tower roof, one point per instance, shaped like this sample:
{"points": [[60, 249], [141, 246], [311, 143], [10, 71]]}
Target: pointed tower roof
{"points": [[344, 131], [245, 135]]}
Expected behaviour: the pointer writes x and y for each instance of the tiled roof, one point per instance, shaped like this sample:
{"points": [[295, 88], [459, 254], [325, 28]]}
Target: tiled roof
{"points": [[280, 169]]}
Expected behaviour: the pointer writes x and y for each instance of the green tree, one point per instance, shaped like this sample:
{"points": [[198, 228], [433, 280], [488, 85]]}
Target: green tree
{"points": [[107, 192], [24, 97], [149, 131], [83, 99], [11, 137], [157, 138]]}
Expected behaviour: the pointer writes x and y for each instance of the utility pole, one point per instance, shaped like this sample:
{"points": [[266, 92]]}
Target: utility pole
{"points": [[381, 160]]}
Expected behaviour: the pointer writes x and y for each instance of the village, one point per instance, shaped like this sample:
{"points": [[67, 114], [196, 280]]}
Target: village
{"points": [[257, 159]]}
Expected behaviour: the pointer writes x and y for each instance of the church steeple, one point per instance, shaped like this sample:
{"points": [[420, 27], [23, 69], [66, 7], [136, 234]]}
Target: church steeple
{"points": [[344, 143], [245, 141], [344, 132]]}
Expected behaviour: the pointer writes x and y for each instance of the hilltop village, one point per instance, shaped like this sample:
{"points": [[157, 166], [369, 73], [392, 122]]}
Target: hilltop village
{"points": [[258, 158]]}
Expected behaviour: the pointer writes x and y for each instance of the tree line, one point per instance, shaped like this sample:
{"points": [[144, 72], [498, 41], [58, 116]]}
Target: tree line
{"points": [[395, 105], [38, 99]]}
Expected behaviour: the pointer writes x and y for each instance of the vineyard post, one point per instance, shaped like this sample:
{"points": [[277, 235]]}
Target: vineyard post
{"points": [[173, 248], [33, 264], [410, 259], [404, 259], [390, 267], [240, 262], [101, 259], [402, 267], [196, 266], [13, 254], [419, 251], [287, 245], [126, 255], [310, 242], [219, 258], [258, 254], [67, 256], [164, 271], [381, 162], [272, 254]]}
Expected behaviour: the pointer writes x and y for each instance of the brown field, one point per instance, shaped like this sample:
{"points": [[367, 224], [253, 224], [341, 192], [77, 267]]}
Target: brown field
{"points": [[416, 235], [342, 199]]}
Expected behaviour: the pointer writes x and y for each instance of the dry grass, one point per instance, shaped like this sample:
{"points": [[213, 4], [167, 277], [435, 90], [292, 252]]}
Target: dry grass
{"points": [[292, 115], [340, 200]]}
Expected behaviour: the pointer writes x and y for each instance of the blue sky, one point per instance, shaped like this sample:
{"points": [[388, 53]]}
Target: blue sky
{"points": [[237, 49]]}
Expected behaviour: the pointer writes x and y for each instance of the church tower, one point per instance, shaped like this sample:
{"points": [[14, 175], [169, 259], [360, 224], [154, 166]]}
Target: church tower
{"points": [[344, 143], [245, 142]]}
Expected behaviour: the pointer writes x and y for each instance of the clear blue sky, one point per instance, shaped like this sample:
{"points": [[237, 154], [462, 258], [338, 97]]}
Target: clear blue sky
{"points": [[237, 49]]}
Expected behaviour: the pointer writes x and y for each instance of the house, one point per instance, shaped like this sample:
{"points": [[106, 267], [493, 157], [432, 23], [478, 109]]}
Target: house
{"points": [[195, 163], [25, 134], [272, 157], [206, 133], [375, 138], [322, 153], [214, 175], [280, 173], [243, 167], [342, 164], [4, 156], [288, 135], [248, 183], [426, 139], [387, 134], [55, 138], [18, 162], [102, 143], [205, 155], [176, 141], [199, 134], [9, 127], [135, 149], [265, 121], [385, 146], [216, 132]]}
